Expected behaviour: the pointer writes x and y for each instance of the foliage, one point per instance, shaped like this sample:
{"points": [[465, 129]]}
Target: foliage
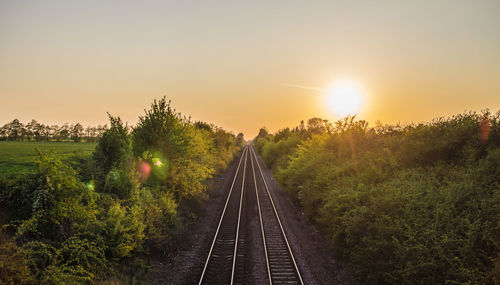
{"points": [[84, 218], [13, 266], [34, 131], [114, 148], [190, 153], [62, 205], [414, 204]]}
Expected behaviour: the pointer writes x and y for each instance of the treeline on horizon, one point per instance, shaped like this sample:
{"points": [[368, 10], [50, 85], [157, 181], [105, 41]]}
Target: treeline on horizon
{"points": [[100, 218], [413, 204], [35, 131]]}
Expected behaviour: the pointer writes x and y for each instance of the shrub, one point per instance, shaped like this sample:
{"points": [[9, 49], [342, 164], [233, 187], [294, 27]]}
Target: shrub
{"points": [[413, 204]]}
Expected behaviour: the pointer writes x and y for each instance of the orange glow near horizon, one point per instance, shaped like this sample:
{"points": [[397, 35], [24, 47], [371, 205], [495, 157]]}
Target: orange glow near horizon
{"points": [[225, 63]]}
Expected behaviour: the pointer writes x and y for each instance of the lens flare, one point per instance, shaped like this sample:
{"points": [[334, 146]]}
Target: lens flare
{"points": [[144, 170], [484, 127], [91, 186], [157, 162]]}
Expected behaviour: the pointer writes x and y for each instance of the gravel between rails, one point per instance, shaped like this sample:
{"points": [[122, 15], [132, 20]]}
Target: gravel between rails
{"points": [[313, 254]]}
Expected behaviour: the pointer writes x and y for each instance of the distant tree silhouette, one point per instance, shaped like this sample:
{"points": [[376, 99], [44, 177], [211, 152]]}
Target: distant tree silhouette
{"points": [[16, 131]]}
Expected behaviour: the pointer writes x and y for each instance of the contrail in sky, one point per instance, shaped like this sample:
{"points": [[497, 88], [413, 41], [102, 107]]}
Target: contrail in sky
{"points": [[303, 87]]}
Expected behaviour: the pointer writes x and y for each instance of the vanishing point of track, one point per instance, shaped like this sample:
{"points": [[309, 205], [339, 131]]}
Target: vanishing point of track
{"points": [[227, 260]]}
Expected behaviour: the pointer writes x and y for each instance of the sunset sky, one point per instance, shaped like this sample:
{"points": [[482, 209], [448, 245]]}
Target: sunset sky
{"points": [[244, 65]]}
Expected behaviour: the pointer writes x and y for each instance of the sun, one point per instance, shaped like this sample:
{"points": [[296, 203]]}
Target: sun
{"points": [[345, 97]]}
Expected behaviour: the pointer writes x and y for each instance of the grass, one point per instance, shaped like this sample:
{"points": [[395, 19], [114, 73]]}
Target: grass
{"points": [[17, 157]]}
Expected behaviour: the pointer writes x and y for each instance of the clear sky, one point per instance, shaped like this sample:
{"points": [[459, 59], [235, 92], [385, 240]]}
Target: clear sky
{"points": [[236, 63]]}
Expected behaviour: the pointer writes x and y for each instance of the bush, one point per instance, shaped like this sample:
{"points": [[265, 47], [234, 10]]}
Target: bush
{"points": [[14, 267], [86, 220], [412, 204]]}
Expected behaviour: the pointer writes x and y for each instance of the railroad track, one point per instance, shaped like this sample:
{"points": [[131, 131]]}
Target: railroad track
{"points": [[281, 265], [226, 262]]}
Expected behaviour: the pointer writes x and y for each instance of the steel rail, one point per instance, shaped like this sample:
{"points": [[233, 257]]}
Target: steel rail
{"points": [[276, 214], [261, 223], [244, 153], [239, 217]]}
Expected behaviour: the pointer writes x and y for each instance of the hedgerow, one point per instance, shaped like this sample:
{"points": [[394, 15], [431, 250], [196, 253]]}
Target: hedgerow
{"points": [[415, 204], [90, 219]]}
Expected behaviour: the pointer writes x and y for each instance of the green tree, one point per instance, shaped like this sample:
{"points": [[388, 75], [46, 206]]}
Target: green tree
{"points": [[161, 129], [114, 149], [76, 132], [15, 130], [401, 204], [62, 205]]}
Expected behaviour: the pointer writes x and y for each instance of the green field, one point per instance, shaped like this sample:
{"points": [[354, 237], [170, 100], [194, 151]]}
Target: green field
{"points": [[17, 157]]}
